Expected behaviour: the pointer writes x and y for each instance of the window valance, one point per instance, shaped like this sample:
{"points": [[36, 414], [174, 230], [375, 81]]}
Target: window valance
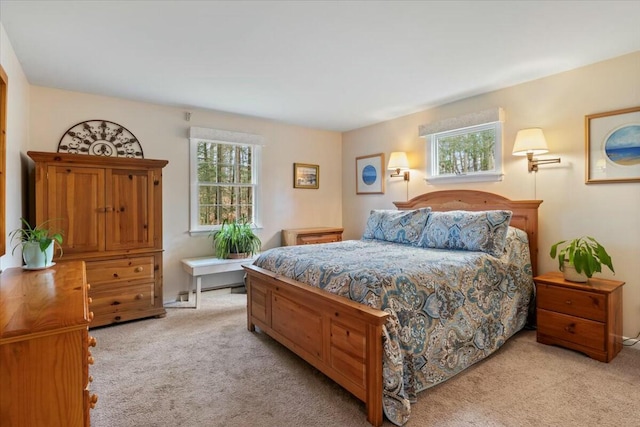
{"points": [[481, 117], [225, 136]]}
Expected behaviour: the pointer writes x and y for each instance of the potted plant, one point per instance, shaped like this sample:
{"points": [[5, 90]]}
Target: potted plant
{"points": [[38, 244], [580, 258], [235, 239]]}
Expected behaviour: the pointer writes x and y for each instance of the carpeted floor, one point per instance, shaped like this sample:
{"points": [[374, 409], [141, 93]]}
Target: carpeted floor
{"points": [[203, 368]]}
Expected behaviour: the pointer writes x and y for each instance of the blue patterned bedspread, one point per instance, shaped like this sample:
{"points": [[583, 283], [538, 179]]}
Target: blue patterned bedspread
{"points": [[448, 309]]}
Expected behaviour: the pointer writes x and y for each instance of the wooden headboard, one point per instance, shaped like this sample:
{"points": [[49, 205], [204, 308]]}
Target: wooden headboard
{"points": [[525, 212]]}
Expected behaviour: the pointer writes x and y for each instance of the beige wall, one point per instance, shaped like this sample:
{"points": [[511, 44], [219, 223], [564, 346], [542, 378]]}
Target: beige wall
{"points": [[557, 104], [163, 132], [17, 141]]}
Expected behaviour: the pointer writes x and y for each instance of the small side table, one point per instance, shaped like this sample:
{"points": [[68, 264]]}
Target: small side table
{"points": [[310, 236], [202, 266], [586, 317]]}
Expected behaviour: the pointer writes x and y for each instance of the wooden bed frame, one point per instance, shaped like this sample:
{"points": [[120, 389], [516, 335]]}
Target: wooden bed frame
{"points": [[342, 338]]}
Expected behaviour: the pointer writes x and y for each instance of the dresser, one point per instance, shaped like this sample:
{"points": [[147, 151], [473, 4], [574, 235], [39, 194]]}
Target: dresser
{"points": [[109, 211], [586, 317], [308, 236], [44, 347]]}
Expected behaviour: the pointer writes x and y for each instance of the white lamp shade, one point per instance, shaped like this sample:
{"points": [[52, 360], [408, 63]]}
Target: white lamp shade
{"points": [[398, 160], [530, 141]]}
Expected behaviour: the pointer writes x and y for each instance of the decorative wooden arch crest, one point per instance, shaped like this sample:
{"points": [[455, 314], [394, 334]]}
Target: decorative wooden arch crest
{"points": [[100, 138]]}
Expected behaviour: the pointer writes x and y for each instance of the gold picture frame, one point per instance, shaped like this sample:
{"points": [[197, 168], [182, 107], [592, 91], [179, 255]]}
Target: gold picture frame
{"points": [[369, 174], [612, 145], [306, 176]]}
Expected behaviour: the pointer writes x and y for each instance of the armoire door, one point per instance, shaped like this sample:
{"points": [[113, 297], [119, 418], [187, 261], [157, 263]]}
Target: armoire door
{"points": [[75, 204], [130, 222]]}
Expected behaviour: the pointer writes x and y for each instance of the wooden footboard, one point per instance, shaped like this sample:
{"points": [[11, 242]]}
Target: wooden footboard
{"points": [[341, 338]]}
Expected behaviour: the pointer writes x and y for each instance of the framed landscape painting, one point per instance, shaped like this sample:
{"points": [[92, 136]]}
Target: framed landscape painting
{"points": [[369, 178], [613, 146], [306, 176]]}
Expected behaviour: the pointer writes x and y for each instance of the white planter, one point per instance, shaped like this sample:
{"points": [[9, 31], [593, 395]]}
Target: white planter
{"points": [[572, 275], [34, 258]]}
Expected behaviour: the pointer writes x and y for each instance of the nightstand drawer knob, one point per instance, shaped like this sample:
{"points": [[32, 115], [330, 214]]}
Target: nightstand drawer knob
{"points": [[570, 328]]}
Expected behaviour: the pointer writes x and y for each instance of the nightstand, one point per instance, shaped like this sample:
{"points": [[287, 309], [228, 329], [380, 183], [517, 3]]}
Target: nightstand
{"points": [[586, 317], [308, 236]]}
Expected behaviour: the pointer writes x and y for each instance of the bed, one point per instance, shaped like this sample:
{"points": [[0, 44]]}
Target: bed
{"points": [[385, 337]]}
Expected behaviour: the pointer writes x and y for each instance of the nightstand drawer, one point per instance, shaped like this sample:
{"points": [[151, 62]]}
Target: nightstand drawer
{"points": [[310, 236], [589, 305], [573, 329], [310, 239]]}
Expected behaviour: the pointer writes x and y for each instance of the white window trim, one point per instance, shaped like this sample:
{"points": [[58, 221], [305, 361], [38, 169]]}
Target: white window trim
{"points": [[431, 175], [197, 135]]}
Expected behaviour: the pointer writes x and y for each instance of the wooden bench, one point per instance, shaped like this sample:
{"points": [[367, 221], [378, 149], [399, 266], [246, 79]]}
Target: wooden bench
{"points": [[202, 266]]}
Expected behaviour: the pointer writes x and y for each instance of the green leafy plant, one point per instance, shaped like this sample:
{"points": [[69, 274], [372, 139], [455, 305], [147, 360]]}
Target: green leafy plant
{"points": [[584, 253], [38, 234], [235, 237]]}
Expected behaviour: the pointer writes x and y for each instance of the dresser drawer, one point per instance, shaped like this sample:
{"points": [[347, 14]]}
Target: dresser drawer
{"points": [[310, 239], [573, 329], [109, 299], [589, 305], [119, 270]]}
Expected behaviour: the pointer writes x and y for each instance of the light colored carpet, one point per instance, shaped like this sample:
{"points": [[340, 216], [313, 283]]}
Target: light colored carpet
{"points": [[203, 368]]}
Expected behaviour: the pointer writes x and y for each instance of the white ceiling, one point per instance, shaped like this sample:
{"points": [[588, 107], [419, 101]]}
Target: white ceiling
{"points": [[322, 64]]}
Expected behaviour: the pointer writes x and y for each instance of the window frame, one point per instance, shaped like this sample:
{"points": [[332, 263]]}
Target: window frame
{"points": [[431, 154], [213, 136]]}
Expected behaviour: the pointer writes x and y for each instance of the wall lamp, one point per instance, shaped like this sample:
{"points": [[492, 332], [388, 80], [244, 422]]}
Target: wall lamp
{"points": [[531, 142], [399, 165]]}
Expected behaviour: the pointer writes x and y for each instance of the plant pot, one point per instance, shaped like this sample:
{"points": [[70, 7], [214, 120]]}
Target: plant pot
{"points": [[572, 275], [238, 255], [34, 258]]}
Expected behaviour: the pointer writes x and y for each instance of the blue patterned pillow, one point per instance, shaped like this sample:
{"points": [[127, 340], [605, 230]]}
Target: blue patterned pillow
{"points": [[396, 226], [484, 231]]}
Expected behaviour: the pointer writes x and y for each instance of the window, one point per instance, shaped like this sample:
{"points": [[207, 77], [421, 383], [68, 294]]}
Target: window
{"points": [[224, 178], [463, 150]]}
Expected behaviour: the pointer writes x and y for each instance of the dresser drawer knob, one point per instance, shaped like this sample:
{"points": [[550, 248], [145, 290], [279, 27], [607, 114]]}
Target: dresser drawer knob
{"points": [[570, 328], [90, 360], [90, 378], [92, 341], [90, 315], [90, 300], [138, 269], [93, 400], [139, 296]]}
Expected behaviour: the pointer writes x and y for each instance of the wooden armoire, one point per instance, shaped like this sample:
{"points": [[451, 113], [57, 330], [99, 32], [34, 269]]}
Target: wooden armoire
{"points": [[109, 210]]}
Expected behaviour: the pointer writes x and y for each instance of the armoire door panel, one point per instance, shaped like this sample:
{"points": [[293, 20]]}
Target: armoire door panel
{"points": [[76, 207], [130, 221]]}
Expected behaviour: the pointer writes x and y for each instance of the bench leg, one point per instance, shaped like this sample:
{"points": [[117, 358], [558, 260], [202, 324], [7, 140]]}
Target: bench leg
{"points": [[196, 283], [198, 291]]}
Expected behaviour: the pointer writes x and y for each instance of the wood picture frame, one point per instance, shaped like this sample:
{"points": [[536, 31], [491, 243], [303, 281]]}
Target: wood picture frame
{"points": [[612, 145], [306, 176], [369, 174]]}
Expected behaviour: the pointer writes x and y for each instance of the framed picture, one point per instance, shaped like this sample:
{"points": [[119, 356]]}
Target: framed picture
{"points": [[369, 177], [613, 146], [306, 176]]}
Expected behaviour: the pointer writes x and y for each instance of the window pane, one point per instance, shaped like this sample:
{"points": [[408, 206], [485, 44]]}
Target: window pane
{"points": [[221, 169], [245, 195], [466, 153], [208, 195]]}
